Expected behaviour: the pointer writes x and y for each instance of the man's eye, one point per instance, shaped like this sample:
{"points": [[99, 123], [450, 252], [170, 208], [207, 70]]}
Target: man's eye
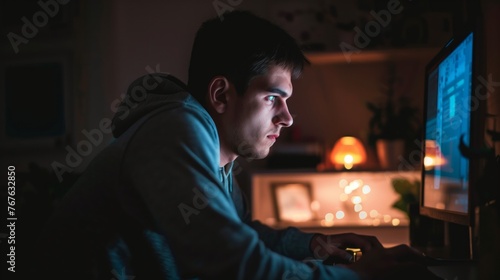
{"points": [[271, 98]]}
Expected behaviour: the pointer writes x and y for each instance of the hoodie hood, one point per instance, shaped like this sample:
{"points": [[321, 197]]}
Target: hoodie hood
{"points": [[144, 95]]}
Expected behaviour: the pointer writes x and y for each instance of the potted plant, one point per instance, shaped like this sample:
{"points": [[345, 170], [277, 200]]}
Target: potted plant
{"points": [[409, 194], [393, 125]]}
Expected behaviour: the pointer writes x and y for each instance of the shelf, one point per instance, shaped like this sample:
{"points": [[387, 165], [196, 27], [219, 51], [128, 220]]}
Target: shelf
{"points": [[367, 223], [364, 56], [388, 235]]}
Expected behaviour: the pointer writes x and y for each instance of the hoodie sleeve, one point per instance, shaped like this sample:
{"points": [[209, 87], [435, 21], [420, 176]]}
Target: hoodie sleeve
{"points": [[172, 162], [290, 242]]}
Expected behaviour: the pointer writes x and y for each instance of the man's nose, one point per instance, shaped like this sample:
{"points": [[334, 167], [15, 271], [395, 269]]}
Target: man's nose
{"points": [[284, 118]]}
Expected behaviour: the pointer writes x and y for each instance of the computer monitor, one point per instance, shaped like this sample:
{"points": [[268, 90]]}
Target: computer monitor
{"points": [[453, 106]]}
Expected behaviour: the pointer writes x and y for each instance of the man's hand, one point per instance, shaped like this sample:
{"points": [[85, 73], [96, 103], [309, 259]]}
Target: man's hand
{"points": [[400, 262], [333, 246], [377, 262]]}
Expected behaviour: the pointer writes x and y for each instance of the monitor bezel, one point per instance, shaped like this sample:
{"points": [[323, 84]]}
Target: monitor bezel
{"points": [[476, 130]]}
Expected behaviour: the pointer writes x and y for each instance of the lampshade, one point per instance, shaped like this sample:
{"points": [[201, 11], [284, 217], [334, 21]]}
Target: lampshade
{"points": [[348, 151]]}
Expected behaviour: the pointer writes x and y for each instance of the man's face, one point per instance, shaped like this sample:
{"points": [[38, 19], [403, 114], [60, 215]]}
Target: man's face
{"points": [[254, 119]]}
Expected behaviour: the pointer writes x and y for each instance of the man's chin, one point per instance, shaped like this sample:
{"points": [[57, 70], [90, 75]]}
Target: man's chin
{"points": [[256, 155]]}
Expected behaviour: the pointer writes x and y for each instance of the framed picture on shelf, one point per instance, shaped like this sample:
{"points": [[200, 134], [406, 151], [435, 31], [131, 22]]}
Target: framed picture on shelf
{"points": [[292, 201]]}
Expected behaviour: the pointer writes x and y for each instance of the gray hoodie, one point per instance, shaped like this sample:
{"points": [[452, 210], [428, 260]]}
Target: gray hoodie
{"points": [[155, 204]]}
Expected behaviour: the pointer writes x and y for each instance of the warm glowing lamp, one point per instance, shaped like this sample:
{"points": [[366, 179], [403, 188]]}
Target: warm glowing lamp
{"points": [[433, 155], [348, 151]]}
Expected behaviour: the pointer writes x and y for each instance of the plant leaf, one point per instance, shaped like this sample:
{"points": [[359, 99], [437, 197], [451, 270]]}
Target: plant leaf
{"points": [[401, 205]]}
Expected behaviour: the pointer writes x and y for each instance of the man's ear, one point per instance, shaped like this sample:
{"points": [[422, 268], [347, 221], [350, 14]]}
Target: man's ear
{"points": [[218, 91]]}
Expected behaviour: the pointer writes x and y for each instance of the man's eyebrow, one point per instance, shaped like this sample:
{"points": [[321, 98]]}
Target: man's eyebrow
{"points": [[279, 91]]}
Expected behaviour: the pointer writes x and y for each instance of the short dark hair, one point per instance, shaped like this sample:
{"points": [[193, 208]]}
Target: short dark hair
{"points": [[240, 47]]}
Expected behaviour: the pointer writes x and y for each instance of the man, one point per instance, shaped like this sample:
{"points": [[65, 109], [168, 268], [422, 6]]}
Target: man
{"points": [[159, 202]]}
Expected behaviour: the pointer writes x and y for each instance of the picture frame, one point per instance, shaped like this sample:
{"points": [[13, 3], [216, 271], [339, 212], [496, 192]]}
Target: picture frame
{"points": [[292, 201], [37, 103]]}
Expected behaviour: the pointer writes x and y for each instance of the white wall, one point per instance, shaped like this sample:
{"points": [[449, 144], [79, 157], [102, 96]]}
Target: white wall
{"points": [[330, 100], [157, 32]]}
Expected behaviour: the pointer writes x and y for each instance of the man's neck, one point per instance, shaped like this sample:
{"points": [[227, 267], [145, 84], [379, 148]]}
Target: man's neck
{"points": [[225, 159]]}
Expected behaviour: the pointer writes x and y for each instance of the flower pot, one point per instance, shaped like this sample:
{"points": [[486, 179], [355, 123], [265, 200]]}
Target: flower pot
{"points": [[389, 153]]}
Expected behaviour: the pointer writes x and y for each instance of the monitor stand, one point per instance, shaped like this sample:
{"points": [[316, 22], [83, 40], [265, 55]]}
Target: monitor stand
{"points": [[456, 259], [458, 270], [456, 243]]}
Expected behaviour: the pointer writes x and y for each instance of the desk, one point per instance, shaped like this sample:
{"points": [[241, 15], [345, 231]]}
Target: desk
{"points": [[461, 271], [389, 236]]}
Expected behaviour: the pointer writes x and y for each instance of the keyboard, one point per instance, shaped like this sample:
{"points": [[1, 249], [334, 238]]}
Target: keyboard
{"points": [[453, 269]]}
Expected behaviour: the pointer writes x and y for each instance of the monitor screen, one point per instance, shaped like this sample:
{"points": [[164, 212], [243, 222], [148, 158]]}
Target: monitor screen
{"points": [[448, 121]]}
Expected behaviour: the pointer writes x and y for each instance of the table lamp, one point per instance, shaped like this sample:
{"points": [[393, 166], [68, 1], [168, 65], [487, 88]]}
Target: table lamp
{"points": [[347, 152]]}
